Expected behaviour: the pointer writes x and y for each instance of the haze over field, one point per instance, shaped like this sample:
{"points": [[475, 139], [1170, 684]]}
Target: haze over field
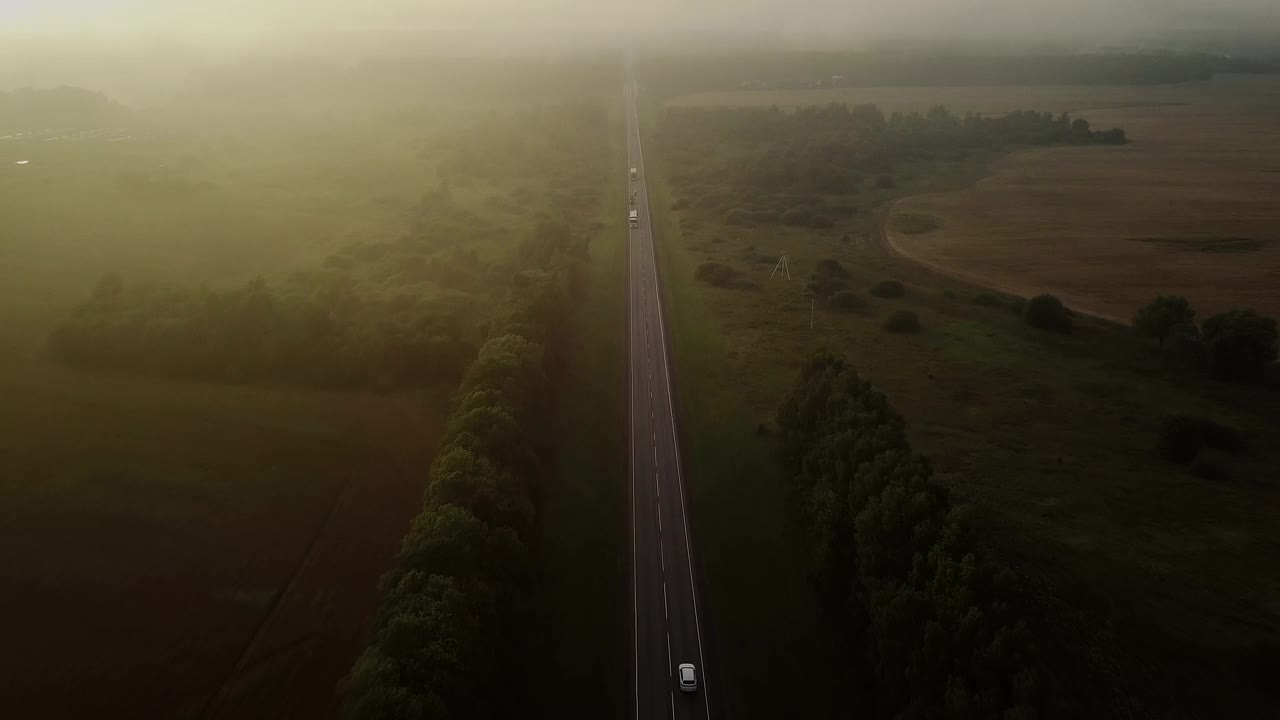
{"points": [[574, 22]]}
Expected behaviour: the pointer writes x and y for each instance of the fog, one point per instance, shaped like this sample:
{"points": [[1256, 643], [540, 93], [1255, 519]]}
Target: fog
{"points": [[489, 24], [140, 51]]}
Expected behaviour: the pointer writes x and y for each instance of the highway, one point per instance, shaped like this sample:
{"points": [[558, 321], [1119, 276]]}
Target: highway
{"points": [[665, 609]]}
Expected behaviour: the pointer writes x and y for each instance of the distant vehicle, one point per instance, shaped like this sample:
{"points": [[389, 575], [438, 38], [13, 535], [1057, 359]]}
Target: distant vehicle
{"points": [[633, 198], [634, 173], [633, 219], [688, 677]]}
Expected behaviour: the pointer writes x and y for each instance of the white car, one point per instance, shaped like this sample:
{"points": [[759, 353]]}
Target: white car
{"points": [[688, 675]]}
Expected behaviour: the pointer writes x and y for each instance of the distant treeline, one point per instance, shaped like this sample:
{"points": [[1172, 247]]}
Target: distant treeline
{"points": [[832, 149], [333, 336], [459, 585], [787, 70], [62, 107], [942, 628]]}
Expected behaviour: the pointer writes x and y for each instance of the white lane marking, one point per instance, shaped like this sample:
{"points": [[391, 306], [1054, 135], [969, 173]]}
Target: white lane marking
{"points": [[662, 334], [631, 423], [665, 611], [659, 519]]}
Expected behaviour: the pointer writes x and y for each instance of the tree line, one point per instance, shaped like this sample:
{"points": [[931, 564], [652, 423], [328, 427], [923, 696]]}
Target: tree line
{"points": [[942, 628], [336, 335], [458, 587], [831, 149], [766, 70]]}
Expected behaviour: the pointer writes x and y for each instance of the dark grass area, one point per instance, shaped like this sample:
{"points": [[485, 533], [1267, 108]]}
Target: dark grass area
{"points": [[577, 653], [1052, 438]]}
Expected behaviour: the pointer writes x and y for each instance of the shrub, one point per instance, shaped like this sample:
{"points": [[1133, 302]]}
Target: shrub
{"points": [[846, 301], [987, 300], [888, 289], [1161, 316], [1182, 436], [885, 181], [1239, 344], [821, 222], [680, 204], [1047, 312], [828, 277], [902, 321], [723, 276]]}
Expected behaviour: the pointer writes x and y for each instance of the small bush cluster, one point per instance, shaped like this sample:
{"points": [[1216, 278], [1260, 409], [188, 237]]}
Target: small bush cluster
{"points": [[1182, 437], [1047, 312], [1236, 345], [889, 289], [902, 321], [724, 276], [846, 301], [827, 278]]}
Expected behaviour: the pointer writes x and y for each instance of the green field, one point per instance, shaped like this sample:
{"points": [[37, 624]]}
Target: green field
{"points": [[1165, 569]]}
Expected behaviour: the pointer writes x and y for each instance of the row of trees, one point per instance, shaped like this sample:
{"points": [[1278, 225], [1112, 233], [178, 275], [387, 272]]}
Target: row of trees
{"points": [[830, 149], [943, 628], [458, 585]]}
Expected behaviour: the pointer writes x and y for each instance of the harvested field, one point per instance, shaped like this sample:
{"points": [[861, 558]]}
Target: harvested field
{"points": [[1188, 208]]}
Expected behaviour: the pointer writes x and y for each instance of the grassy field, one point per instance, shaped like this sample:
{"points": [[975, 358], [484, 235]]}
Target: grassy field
{"points": [[1050, 437], [577, 645], [181, 549], [1188, 208]]}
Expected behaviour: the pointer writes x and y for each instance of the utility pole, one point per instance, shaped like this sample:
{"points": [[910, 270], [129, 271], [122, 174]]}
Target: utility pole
{"points": [[782, 265]]}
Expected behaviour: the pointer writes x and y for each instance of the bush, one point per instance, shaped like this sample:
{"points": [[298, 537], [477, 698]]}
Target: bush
{"points": [[888, 289], [1047, 312], [828, 277], [885, 181], [680, 204], [987, 300], [1239, 345], [723, 276], [846, 301], [1182, 436], [821, 222], [902, 321], [1159, 318]]}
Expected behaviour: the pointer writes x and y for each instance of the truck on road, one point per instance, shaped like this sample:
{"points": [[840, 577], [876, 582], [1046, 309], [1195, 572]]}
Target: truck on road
{"points": [[634, 174], [633, 219]]}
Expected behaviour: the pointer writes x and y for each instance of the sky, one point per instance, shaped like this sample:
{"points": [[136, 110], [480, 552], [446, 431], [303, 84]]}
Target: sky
{"points": [[563, 21]]}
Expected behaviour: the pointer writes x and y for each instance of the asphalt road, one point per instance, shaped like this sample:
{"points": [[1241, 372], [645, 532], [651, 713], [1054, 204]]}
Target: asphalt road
{"points": [[664, 596]]}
